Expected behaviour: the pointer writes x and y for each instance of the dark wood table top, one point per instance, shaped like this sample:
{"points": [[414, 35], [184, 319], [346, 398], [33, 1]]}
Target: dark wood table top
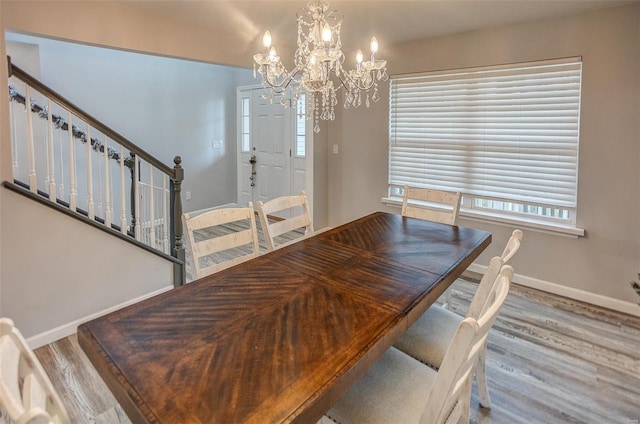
{"points": [[279, 338]]}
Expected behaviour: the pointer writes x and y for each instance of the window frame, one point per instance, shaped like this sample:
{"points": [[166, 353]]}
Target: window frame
{"points": [[559, 216], [245, 124]]}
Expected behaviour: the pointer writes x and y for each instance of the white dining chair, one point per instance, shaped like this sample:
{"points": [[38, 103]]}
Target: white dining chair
{"points": [[428, 338], [431, 205], [297, 206], [400, 389], [26, 393], [231, 243]]}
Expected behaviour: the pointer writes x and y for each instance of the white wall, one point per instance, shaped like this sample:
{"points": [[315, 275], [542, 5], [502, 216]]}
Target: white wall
{"points": [[166, 106], [603, 262]]}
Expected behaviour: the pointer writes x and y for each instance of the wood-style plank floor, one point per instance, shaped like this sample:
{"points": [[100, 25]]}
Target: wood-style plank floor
{"points": [[550, 360]]}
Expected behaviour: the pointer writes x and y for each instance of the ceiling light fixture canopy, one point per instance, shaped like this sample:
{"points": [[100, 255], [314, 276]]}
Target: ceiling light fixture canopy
{"points": [[318, 70]]}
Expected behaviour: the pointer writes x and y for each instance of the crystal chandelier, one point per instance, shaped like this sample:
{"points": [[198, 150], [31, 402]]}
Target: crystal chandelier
{"points": [[318, 70]]}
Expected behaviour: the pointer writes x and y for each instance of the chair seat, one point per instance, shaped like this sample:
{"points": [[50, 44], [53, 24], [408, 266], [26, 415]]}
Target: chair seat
{"points": [[393, 391], [430, 336]]}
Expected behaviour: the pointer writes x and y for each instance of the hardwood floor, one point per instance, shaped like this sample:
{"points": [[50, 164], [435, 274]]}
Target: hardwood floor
{"points": [[554, 360], [549, 360]]}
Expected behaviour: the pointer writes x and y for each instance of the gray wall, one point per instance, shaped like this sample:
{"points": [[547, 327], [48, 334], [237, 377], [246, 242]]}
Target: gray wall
{"points": [[166, 106], [4, 135], [604, 261], [57, 271]]}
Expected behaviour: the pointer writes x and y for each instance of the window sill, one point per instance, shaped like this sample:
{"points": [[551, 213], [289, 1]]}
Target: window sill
{"points": [[507, 220]]}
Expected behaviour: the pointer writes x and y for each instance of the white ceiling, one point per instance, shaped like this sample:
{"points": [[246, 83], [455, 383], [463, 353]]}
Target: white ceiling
{"points": [[391, 21]]}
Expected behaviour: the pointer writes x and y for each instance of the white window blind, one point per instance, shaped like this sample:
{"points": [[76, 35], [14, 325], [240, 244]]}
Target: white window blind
{"points": [[505, 133]]}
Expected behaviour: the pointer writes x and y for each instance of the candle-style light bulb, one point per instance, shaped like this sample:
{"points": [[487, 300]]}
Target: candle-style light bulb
{"points": [[374, 45], [266, 39], [272, 53], [359, 57], [326, 34]]}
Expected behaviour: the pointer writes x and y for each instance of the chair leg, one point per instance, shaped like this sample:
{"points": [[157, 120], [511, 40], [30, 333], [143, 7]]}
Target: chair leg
{"points": [[447, 302], [481, 378]]}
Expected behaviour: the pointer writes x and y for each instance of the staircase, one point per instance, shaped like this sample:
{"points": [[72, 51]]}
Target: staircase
{"points": [[69, 161]]}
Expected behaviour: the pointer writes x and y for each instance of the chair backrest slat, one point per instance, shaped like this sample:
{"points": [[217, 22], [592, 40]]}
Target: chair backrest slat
{"points": [[512, 247], [431, 205], [489, 279], [244, 242], [273, 228], [480, 299]]}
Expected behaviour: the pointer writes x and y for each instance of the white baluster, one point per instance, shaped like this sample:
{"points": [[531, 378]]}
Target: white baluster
{"points": [[137, 196], [107, 187], [33, 182], [90, 205], [143, 212], [73, 188], [144, 236], [144, 205], [152, 220], [123, 195], [14, 141], [52, 174], [45, 149], [61, 182], [99, 190], [165, 213]]}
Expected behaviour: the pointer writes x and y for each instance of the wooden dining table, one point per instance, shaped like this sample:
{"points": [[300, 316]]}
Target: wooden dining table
{"points": [[279, 338]]}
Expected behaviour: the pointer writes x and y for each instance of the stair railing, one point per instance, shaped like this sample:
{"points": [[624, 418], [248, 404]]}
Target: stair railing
{"points": [[73, 160]]}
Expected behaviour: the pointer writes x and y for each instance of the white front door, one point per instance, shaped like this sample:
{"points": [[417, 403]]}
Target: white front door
{"points": [[276, 138], [271, 134]]}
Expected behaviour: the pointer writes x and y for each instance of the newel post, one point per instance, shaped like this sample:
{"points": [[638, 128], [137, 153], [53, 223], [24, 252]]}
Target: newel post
{"points": [[179, 271]]}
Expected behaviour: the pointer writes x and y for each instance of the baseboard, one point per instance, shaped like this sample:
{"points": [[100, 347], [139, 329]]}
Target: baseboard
{"points": [[71, 327], [570, 292]]}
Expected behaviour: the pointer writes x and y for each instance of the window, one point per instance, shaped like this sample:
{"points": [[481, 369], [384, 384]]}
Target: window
{"points": [[301, 127], [504, 136], [246, 128]]}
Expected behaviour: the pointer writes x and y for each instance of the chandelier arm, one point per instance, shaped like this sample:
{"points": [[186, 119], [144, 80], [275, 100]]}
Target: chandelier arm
{"points": [[285, 80], [342, 81], [355, 82], [365, 87]]}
